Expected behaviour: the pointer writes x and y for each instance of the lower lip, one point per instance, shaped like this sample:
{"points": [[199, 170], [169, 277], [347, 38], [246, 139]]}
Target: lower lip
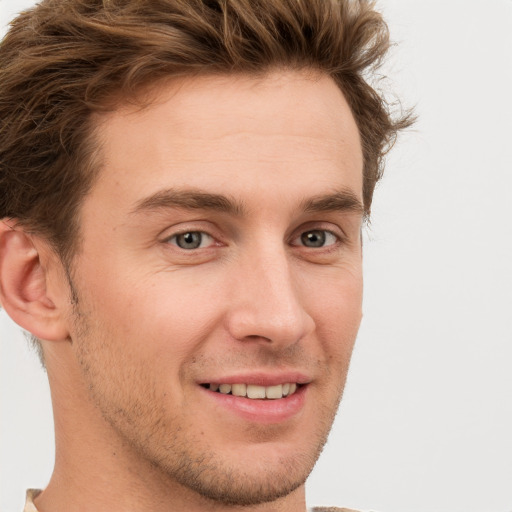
{"points": [[262, 411]]}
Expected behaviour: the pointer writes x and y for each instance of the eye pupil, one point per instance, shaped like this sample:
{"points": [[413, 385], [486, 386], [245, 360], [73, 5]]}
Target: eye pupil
{"points": [[313, 238], [191, 240]]}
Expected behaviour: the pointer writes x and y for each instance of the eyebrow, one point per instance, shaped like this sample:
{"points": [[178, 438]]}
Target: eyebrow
{"points": [[341, 200], [192, 199]]}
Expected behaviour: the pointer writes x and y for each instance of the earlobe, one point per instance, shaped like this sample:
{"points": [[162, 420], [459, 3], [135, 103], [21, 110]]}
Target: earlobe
{"points": [[23, 286]]}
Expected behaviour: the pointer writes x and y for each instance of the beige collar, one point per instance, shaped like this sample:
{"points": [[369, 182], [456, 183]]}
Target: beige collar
{"points": [[32, 494]]}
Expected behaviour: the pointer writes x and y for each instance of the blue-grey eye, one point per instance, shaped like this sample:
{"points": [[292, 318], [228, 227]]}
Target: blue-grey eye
{"points": [[191, 240], [317, 238]]}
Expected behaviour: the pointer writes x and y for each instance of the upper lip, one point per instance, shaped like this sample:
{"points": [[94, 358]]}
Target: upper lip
{"points": [[260, 378]]}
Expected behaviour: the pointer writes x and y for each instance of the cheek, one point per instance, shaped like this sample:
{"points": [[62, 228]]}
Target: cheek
{"points": [[337, 310], [168, 309]]}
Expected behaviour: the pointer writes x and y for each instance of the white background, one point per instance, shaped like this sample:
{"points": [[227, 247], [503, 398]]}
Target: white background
{"points": [[426, 421]]}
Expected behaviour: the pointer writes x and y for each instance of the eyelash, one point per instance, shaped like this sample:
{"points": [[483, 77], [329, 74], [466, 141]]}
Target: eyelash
{"points": [[176, 236], [325, 234]]}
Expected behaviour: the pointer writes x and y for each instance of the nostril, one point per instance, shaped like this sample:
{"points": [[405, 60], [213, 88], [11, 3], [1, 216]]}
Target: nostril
{"points": [[255, 337]]}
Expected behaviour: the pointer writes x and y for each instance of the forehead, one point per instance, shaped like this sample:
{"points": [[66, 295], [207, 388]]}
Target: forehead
{"points": [[231, 133]]}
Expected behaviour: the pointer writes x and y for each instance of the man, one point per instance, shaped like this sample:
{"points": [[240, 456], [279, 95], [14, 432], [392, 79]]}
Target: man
{"points": [[183, 186]]}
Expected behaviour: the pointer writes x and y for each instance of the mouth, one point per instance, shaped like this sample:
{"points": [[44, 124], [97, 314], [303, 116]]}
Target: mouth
{"points": [[259, 398], [253, 391]]}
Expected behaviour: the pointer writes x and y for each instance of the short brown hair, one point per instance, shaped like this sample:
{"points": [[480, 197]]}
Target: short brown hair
{"points": [[66, 59]]}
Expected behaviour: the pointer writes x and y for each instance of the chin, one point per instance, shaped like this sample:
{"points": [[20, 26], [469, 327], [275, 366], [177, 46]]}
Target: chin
{"points": [[246, 485]]}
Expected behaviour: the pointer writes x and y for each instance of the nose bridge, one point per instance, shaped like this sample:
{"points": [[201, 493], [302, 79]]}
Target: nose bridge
{"points": [[267, 302]]}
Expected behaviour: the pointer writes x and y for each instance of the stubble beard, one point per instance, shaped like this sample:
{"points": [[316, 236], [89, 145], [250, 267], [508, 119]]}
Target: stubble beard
{"points": [[208, 475], [205, 472], [168, 448]]}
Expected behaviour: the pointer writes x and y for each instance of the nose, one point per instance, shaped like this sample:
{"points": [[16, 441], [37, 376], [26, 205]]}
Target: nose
{"points": [[267, 301]]}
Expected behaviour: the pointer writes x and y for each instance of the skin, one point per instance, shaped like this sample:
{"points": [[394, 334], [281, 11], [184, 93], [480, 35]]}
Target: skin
{"points": [[150, 321]]}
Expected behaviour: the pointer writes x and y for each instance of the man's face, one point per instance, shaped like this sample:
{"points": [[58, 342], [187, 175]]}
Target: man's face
{"points": [[221, 247]]}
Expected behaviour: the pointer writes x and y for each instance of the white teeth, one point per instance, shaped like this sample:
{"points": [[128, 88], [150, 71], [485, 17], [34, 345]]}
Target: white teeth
{"points": [[225, 388], [256, 392], [274, 392], [239, 389]]}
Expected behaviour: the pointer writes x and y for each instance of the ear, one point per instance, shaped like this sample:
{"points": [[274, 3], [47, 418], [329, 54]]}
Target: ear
{"points": [[23, 285]]}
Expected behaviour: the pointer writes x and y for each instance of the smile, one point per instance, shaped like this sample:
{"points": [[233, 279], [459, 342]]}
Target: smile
{"points": [[255, 392]]}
